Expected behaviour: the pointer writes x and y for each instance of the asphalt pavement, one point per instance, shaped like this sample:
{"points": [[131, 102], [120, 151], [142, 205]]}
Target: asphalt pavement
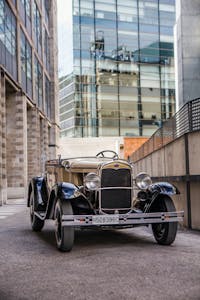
{"points": [[103, 265]]}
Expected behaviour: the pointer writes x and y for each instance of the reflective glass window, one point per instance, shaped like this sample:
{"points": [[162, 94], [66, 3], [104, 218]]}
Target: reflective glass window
{"points": [[46, 9], [26, 64], [25, 13], [37, 28], [8, 45], [38, 84], [46, 53], [123, 60]]}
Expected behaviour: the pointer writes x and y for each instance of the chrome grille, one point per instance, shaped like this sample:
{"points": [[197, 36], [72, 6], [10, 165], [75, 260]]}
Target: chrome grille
{"points": [[117, 193]]}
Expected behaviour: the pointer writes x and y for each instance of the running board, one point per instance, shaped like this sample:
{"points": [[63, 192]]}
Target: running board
{"points": [[122, 219]]}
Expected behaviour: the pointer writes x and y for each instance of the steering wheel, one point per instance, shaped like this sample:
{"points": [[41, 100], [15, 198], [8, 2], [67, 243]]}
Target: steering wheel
{"points": [[102, 154]]}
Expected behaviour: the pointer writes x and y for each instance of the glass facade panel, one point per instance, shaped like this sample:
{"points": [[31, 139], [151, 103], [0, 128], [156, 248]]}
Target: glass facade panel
{"points": [[46, 52], [47, 98], [21, 56], [123, 68], [37, 27], [8, 47], [46, 9], [26, 65], [38, 84], [25, 13]]}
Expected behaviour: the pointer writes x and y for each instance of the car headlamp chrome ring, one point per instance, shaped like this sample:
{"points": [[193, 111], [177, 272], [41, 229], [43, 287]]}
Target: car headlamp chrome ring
{"points": [[92, 181], [143, 181]]}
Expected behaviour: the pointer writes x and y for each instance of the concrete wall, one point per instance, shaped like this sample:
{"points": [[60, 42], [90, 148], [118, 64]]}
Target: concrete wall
{"points": [[181, 166], [194, 151], [168, 161]]}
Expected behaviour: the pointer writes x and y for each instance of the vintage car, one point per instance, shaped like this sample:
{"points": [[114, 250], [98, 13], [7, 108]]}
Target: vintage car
{"points": [[100, 192]]}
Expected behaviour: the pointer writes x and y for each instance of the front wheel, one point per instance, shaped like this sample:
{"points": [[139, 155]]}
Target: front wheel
{"points": [[164, 233], [36, 223], [64, 234]]}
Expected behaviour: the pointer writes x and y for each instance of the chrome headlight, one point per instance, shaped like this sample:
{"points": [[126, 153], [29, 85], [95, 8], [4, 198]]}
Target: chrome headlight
{"points": [[92, 181], [143, 181]]}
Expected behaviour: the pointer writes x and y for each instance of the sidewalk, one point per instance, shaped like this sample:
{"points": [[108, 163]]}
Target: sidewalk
{"points": [[12, 207]]}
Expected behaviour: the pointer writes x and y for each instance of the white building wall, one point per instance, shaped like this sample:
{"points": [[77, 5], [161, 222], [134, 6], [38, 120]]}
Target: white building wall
{"points": [[72, 147]]}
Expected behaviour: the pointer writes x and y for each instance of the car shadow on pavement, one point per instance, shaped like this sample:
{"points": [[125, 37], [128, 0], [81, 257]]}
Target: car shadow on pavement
{"points": [[105, 238], [111, 238]]}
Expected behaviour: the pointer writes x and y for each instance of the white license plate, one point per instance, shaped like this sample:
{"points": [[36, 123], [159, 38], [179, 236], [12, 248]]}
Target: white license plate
{"points": [[105, 219]]}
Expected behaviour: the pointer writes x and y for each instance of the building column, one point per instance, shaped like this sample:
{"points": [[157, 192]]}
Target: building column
{"points": [[53, 132], [16, 146], [3, 177], [33, 142], [44, 144], [41, 144]]}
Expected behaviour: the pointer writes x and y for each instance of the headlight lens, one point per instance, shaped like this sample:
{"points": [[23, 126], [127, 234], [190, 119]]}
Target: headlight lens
{"points": [[143, 181], [92, 181]]}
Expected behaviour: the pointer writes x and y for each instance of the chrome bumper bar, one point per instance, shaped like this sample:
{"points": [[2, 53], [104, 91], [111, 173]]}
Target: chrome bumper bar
{"points": [[122, 219]]}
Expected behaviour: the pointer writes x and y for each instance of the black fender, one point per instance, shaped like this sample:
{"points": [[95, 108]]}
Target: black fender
{"points": [[66, 191], [159, 190], [164, 188], [35, 185]]}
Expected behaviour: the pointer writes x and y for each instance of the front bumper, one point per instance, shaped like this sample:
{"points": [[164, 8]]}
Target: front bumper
{"points": [[122, 219]]}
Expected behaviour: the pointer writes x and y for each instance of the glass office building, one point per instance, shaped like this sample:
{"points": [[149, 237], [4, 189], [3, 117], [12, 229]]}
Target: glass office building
{"points": [[123, 79]]}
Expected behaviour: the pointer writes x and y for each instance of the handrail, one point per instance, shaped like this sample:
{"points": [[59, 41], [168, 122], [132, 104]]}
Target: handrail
{"points": [[186, 120]]}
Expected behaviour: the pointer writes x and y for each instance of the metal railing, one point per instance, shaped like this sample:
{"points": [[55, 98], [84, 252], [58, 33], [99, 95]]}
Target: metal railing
{"points": [[186, 120]]}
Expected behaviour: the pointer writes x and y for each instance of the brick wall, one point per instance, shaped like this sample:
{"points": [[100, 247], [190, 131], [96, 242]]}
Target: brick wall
{"points": [[33, 142], [16, 140], [131, 144], [25, 136]]}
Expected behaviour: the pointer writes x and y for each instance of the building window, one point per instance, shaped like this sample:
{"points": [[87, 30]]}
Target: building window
{"points": [[47, 105], [37, 29], [25, 13], [26, 65], [38, 84], [123, 57], [46, 51], [46, 8], [8, 39]]}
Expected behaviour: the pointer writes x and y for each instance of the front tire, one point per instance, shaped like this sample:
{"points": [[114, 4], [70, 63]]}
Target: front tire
{"points": [[164, 233], [64, 235], [36, 223]]}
